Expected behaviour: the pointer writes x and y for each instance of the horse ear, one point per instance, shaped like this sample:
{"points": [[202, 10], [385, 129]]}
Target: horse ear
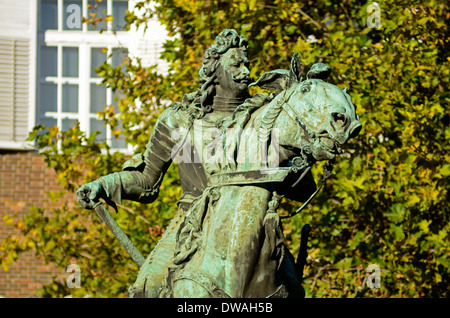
{"points": [[276, 80], [279, 80], [319, 70], [296, 69]]}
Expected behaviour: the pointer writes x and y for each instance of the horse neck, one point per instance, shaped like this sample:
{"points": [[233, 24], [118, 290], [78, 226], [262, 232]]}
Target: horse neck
{"points": [[274, 121]]}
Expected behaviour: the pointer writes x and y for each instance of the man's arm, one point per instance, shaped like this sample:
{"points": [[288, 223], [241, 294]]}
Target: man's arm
{"points": [[142, 175]]}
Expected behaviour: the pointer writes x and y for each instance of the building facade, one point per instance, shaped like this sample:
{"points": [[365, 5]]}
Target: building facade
{"points": [[48, 58]]}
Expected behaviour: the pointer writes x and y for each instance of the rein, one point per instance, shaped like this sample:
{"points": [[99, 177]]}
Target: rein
{"points": [[326, 174]]}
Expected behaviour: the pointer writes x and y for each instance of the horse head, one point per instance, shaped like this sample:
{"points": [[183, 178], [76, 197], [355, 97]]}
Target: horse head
{"points": [[314, 116]]}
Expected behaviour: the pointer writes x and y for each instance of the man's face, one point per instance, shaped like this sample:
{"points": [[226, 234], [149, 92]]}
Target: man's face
{"points": [[233, 74]]}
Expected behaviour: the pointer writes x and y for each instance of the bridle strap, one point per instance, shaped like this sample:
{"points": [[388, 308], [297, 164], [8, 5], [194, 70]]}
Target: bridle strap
{"points": [[312, 136], [291, 112]]}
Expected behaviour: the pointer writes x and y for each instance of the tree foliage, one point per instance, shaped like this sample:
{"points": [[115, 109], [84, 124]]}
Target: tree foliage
{"points": [[387, 203]]}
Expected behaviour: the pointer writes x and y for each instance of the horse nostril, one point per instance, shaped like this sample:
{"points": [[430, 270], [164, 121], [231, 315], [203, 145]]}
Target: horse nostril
{"points": [[339, 120], [355, 131]]}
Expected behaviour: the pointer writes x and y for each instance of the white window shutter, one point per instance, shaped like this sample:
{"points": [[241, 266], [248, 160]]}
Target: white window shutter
{"points": [[14, 89]]}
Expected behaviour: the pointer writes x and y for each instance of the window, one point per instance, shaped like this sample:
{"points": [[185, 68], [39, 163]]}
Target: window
{"points": [[67, 14], [68, 88], [100, 9], [116, 9], [48, 15], [118, 12]]}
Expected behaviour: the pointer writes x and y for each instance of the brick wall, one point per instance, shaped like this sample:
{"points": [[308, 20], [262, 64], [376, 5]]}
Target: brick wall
{"points": [[24, 181]]}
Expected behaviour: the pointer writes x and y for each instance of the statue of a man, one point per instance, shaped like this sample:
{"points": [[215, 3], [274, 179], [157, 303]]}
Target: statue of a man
{"points": [[224, 79]]}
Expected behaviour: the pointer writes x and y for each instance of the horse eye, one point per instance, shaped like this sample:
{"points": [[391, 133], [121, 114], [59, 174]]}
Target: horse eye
{"points": [[305, 88]]}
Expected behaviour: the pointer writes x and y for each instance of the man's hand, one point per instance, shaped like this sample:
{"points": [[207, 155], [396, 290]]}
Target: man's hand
{"points": [[89, 194]]}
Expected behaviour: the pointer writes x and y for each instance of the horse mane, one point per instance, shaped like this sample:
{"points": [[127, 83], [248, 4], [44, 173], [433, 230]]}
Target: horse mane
{"points": [[269, 117]]}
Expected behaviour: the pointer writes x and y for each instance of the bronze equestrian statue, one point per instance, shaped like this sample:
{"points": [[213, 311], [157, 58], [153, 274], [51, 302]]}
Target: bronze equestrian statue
{"points": [[238, 156]]}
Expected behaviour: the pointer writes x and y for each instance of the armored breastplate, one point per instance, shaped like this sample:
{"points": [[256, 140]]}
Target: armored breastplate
{"points": [[193, 156]]}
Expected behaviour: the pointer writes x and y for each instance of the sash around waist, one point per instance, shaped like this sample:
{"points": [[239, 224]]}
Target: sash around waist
{"points": [[249, 177]]}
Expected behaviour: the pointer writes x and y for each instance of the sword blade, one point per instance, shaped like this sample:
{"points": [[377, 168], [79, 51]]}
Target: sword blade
{"points": [[119, 234]]}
